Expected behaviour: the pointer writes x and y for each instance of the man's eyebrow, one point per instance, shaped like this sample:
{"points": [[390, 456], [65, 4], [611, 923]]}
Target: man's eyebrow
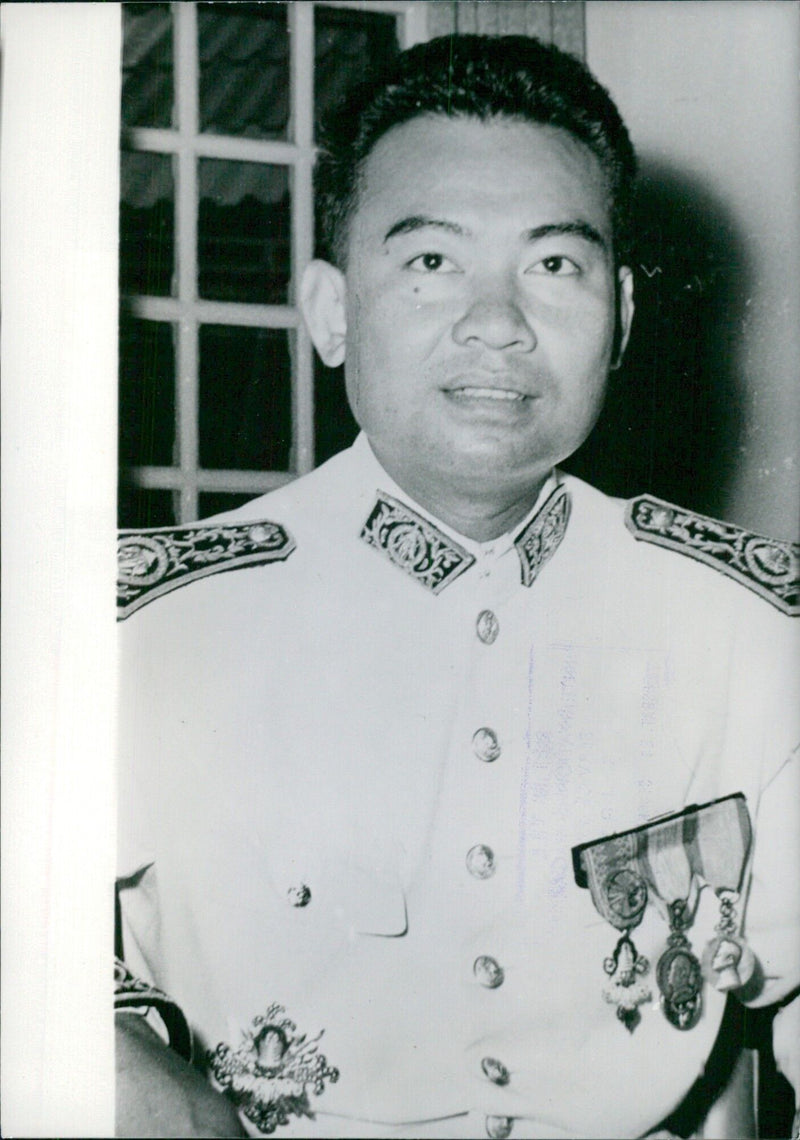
{"points": [[563, 229], [422, 221], [576, 228]]}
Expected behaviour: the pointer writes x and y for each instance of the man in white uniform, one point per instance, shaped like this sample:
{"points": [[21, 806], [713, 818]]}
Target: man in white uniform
{"points": [[389, 790]]}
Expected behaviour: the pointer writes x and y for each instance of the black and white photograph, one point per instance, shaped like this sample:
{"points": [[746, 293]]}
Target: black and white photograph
{"points": [[426, 373]]}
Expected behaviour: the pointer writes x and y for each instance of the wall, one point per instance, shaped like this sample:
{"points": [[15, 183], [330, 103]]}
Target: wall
{"points": [[59, 183], [709, 92], [556, 21]]}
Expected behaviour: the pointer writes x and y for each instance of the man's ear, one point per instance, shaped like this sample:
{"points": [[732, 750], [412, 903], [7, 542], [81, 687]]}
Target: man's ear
{"points": [[323, 294], [625, 309]]}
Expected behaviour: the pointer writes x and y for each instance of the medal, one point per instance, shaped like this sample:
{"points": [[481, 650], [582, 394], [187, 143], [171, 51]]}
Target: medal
{"points": [[728, 962], [721, 844], [624, 989], [620, 895], [670, 860], [678, 973]]}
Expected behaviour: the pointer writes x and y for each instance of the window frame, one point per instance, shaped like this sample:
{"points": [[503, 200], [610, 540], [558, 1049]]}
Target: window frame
{"points": [[186, 311]]}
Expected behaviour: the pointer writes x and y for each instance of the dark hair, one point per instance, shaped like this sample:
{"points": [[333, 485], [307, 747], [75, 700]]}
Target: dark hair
{"points": [[482, 77]]}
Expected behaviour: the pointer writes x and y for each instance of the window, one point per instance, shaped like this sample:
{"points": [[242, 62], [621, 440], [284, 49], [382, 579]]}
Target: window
{"points": [[220, 103]]}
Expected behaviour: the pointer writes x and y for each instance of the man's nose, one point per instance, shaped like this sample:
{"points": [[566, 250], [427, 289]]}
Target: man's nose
{"points": [[495, 320]]}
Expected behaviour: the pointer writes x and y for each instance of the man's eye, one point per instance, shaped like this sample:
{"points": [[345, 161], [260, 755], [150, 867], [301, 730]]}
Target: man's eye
{"points": [[555, 266], [432, 263]]}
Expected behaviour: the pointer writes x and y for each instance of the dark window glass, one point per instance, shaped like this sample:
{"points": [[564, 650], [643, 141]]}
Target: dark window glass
{"points": [[138, 507], [334, 426], [348, 44], [215, 502], [147, 67], [244, 69], [146, 224], [245, 398], [244, 239], [146, 392]]}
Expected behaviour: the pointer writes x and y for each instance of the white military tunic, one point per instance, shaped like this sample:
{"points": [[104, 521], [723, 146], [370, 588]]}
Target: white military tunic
{"points": [[353, 797]]}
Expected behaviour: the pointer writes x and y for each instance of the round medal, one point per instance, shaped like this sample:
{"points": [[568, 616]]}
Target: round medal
{"points": [[626, 896], [680, 981]]}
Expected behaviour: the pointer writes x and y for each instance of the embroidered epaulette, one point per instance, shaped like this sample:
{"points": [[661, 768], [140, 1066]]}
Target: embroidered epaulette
{"points": [[151, 563], [770, 567]]}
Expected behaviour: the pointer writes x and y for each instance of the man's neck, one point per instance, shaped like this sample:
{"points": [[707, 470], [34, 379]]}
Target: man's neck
{"points": [[480, 512], [480, 522]]}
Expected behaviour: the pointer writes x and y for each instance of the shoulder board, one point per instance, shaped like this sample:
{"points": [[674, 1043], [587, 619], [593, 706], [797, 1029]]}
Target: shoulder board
{"points": [[768, 566], [154, 562]]}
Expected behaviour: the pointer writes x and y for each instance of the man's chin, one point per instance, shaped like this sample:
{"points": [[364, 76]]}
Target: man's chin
{"points": [[491, 454], [487, 473], [479, 462]]}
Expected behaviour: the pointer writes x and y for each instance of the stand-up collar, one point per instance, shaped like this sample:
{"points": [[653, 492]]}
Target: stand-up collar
{"points": [[435, 555]]}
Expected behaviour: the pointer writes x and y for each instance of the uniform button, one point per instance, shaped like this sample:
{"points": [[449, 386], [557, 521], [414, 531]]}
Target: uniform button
{"points": [[487, 627], [495, 1070], [499, 1126], [485, 744], [488, 971], [299, 895], [480, 861]]}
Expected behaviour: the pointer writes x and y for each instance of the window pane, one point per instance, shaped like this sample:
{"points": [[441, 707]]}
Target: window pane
{"points": [[348, 44], [215, 502], [245, 398], [146, 392], [146, 224], [147, 75], [244, 69], [244, 239], [334, 426], [137, 507]]}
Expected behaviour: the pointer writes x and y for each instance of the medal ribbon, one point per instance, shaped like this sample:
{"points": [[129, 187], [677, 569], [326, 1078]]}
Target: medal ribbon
{"points": [[618, 891], [720, 844], [665, 860]]}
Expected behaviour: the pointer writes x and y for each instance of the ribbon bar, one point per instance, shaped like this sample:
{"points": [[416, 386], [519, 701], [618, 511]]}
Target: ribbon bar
{"points": [[715, 835]]}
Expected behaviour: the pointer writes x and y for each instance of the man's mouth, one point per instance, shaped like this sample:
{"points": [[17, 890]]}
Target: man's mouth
{"points": [[470, 392]]}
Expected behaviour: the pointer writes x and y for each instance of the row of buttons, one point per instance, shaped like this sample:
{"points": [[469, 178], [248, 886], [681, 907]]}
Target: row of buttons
{"points": [[480, 862]]}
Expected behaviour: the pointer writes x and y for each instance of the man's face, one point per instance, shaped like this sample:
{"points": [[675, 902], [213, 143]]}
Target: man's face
{"points": [[480, 303]]}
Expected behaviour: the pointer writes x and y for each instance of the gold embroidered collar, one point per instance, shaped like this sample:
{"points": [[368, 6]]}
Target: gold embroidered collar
{"points": [[418, 547]]}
